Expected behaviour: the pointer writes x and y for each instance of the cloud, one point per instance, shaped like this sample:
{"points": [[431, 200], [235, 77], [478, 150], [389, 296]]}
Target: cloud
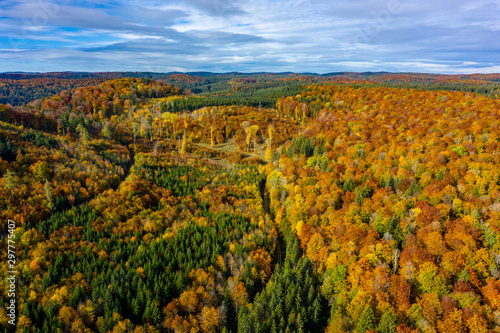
{"points": [[217, 7], [224, 38], [149, 46], [35, 16]]}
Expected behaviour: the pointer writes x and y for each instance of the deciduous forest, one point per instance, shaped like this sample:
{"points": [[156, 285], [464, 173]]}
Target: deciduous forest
{"points": [[199, 202]]}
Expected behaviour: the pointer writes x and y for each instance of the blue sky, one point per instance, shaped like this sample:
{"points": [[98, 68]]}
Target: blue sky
{"points": [[433, 36]]}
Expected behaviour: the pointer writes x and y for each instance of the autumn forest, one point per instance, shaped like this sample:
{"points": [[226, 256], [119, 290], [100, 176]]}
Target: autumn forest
{"points": [[203, 202]]}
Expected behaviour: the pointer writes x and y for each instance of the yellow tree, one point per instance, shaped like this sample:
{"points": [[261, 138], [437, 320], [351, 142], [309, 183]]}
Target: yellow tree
{"points": [[452, 323], [212, 134], [269, 154], [270, 131], [48, 194], [183, 147], [209, 319], [253, 135], [189, 300], [246, 126]]}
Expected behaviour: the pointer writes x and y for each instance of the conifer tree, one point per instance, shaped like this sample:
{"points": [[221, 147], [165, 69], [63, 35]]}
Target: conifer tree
{"points": [[366, 321], [10, 181], [106, 132], [388, 323]]}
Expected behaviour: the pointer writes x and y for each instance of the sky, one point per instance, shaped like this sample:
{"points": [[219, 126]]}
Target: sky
{"points": [[318, 36]]}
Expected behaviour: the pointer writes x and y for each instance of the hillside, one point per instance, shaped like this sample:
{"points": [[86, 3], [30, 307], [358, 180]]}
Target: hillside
{"points": [[21, 88], [345, 202]]}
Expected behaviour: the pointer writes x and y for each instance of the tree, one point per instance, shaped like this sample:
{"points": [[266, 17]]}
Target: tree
{"points": [[413, 189], [106, 132], [348, 185], [41, 172], [212, 136], [10, 181], [366, 321], [152, 312], [48, 194], [4, 114], [430, 280], [388, 323], [183, 147], [452, 323], [209, 319], [188, 300], [84, 134], [269, 154], [135, 129], [247, 127], [270, 130], [253, 134], [77, 296]]}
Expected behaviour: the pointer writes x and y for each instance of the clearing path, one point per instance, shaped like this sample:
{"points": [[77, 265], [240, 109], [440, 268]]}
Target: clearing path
{"points": [[230, 147]]}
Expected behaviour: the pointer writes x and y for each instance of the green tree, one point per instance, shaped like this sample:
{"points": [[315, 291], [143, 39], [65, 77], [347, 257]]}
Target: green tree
{"points": [[84, 134], [413, 189], [135, 129], [366, 321], [430, 281], [106, 132], [349, 185], [41, 171], [10, 181], [388, 323], [152, 312], [77, 296]]}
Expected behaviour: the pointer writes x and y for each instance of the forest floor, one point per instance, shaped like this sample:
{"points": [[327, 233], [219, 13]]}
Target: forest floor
{"points": [[230, 147]]}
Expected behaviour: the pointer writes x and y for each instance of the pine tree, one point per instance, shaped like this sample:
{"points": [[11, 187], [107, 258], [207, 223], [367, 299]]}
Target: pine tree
{"points": [[77, 296], [394, 229], [244, 325], [388, 323], [349, 185], [366, 321], [154, 312], [299, 323], [41, 171], [413, 189], [106, 132], [316, 310], [10, 181], [84, 134]]}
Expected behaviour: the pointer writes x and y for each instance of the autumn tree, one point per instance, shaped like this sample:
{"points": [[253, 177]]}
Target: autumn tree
{"points": [[10, 181], [84, 134], [106, 131]]}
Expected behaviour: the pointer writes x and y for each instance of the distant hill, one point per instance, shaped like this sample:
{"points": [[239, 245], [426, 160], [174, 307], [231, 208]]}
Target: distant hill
{"points": [[18, 88]]}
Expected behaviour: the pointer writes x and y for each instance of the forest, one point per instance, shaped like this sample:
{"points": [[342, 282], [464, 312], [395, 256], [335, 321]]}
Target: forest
{"points": [[203, 202], [21, 88]]}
